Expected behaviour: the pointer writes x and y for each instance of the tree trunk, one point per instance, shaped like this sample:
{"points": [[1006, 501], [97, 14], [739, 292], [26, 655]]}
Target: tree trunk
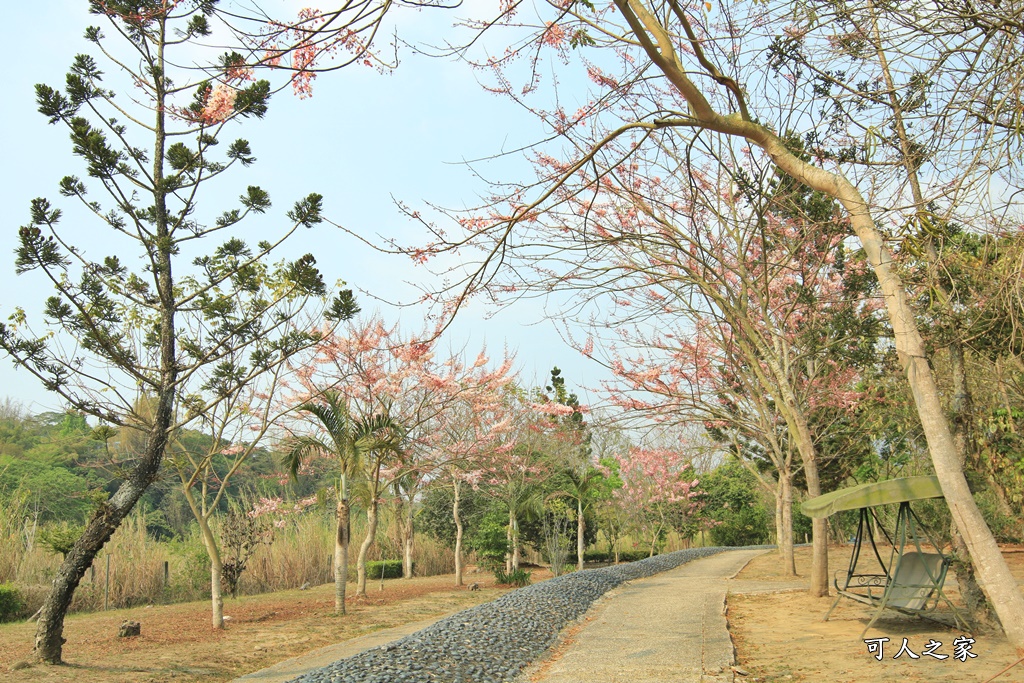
{"points": [[800, 433], [963, 437], [993, 574], [364, 549], [458, 534], [819, 536], [514, 532], [581, 527], [341, 543], [784, 522], [216, 572], [408, 541], [508, 541], [216, 594], [49, 639]]}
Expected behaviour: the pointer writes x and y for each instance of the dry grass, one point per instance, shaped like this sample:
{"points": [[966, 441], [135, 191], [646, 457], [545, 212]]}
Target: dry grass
{"points": [[302, 553], [12, 538]]}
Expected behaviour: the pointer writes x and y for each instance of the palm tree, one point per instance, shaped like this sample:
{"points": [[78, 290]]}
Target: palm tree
{"points": [[346, 439], [585, 484], [382, 439]]}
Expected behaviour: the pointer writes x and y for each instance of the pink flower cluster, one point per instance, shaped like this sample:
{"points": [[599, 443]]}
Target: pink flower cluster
{"points": [[219, 105], [276, 506]]}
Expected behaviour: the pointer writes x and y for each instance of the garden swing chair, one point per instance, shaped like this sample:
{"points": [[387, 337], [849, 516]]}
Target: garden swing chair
{"points": [[911, 580]]}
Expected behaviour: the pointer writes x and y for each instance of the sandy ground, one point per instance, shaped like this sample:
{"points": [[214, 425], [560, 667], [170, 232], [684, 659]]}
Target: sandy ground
{"points": [[178, 643], [781, 636]]}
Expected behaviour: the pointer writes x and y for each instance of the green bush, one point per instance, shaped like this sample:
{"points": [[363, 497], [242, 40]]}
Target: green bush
{"points": [[489, 540], [624, 556], [517, 578], [392, 569], [11, 604], [746, 526]]}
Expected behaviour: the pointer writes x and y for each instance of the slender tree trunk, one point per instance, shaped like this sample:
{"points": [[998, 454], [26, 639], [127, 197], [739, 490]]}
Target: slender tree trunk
{"points": [[514, 531], [819, 538], [963, 437], [581, 528], [800, 433], [784, 523], [216, 572], [341, 542], [508, 541], [364, 549], [778, 518], [458, 533], [216, 591], [202, 517], [408, 541]]}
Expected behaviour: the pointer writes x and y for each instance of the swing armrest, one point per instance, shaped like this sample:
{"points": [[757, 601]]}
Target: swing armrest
{"points": [[845, 581]]}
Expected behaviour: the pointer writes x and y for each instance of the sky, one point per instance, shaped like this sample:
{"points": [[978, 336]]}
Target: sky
{"points": [[363, 141]]}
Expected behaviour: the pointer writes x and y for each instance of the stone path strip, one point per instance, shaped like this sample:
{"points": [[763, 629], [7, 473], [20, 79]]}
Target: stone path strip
{"points": [[669, 627]]}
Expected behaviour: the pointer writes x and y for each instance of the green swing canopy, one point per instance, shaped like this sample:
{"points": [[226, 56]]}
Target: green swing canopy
{"points": [[872, 494]]}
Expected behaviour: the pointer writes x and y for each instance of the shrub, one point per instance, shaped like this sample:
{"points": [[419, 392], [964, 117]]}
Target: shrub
{"points": [[624, 556], [392, 569], [11, 604], [747, 526], [241, 537], [490, 540], [517, 578]]}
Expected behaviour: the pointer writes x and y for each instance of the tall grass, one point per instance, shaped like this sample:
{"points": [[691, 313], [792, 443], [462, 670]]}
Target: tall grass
{"points": [[136, 571], [302, 552], [13, 539]]}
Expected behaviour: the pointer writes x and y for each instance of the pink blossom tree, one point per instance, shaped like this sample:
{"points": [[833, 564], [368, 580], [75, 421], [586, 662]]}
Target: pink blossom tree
{"points": [[764, 324], [475, 433], [653, 480], [380, 371]]}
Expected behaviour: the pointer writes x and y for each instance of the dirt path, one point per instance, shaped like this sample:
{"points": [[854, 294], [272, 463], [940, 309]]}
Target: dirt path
{"points": [[178, 644], [781, 637]]}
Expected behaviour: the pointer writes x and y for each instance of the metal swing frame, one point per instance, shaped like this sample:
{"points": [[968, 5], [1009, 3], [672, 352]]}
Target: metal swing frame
{"points": [[911, 581]]}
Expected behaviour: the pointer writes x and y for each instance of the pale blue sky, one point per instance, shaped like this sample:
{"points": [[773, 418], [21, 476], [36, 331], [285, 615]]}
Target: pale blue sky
{"points": [[361, 140]]}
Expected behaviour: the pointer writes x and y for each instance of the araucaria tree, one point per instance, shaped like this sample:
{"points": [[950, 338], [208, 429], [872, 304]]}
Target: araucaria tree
{"points": [[179, 323]]}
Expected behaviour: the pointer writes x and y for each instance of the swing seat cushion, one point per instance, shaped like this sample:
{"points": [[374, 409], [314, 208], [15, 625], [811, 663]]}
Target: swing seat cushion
{"points": [[917, 577]]}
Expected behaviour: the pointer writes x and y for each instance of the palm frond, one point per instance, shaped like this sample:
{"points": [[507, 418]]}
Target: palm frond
{"points": [[302, 448]]}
